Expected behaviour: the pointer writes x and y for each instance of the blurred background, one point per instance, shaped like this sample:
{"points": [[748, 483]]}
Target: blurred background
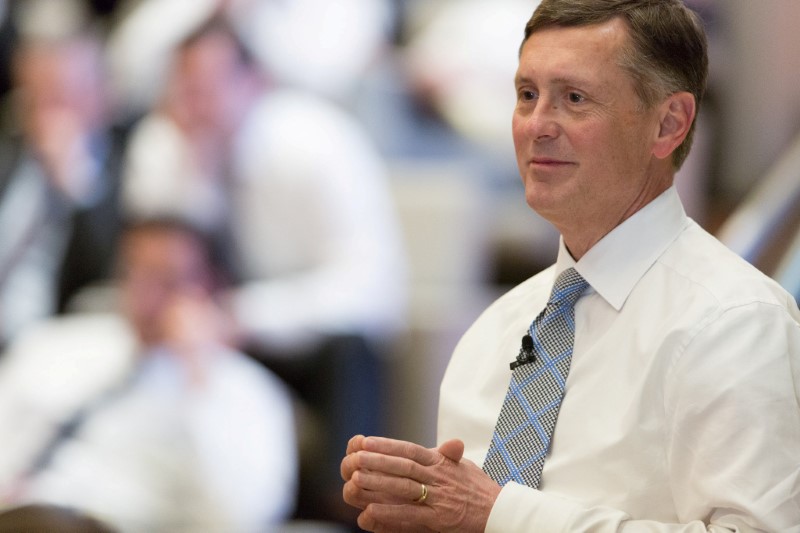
{"points": [[425, 86]]}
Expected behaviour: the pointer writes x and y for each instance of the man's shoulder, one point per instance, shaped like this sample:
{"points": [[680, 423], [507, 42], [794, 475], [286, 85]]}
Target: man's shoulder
{"points": [[65, 361], [712, 269]]}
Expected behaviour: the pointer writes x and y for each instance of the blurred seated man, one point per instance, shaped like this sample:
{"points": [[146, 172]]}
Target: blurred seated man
{"points": [[299, 198], [59, 170], [148, 420]]}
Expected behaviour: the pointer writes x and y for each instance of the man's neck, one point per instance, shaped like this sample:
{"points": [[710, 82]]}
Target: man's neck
{"points": [[579, 238]]}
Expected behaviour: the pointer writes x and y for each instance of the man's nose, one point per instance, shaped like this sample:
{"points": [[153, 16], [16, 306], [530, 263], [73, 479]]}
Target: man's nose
{"points": [[542, 122]]}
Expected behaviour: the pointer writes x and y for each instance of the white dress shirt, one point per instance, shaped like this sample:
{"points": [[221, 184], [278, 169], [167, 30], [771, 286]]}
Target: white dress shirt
{"points": [[681, 409], [156, 453]]}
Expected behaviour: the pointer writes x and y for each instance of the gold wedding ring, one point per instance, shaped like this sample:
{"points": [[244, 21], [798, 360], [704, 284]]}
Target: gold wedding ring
{"points": [[423, 495]]}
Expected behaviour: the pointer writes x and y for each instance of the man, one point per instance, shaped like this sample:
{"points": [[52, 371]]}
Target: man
{"points": [[680, 407], [148, 420], [59, 171]]}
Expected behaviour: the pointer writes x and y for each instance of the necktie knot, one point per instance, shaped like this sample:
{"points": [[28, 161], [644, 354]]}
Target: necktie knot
{"points": [[567, 289]]}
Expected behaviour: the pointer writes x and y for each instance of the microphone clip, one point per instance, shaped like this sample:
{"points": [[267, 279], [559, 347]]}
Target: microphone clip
{"points": [[526, 353]]}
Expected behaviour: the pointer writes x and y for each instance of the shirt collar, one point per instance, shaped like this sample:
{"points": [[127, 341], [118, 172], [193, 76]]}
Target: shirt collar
{"points": [[618, 261]]}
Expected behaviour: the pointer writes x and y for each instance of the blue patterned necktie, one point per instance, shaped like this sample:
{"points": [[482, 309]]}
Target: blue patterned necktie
{"points": [[525, 426]]}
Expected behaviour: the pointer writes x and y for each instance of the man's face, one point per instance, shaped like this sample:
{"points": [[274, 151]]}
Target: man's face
{"points": [[583, 140], [158, 266], [206, 86], [60, 84]]}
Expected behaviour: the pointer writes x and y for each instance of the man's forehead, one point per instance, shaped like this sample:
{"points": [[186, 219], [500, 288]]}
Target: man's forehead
{"points": [[563, 48], [611, 34]]}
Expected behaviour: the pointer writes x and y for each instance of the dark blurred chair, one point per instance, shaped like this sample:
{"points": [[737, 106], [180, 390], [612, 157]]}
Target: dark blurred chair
{"points": [[49, 519]]}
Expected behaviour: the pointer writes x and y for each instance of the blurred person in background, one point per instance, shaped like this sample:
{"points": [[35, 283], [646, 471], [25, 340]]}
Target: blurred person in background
{"points": [[59, 175], [297, 195], [316, 45], [148, 419]]}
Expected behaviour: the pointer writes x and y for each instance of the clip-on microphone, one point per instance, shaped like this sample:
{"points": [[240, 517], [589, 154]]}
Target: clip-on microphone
{"points": [[526, 354]]}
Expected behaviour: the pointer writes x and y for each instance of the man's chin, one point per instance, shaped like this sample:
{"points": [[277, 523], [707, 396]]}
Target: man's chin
{"points": [[542, 199]]}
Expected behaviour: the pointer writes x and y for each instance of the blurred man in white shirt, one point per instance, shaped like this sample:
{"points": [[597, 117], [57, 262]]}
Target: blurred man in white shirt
{"points": [[149, 419]]}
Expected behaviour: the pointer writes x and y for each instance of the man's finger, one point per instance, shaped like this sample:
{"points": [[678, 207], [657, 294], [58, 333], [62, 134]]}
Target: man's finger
{"points": [[349, 464], [400, 448], [355, 444], [403, 489], [395, 518], [361, 498], [390, 465], [453, 450]]}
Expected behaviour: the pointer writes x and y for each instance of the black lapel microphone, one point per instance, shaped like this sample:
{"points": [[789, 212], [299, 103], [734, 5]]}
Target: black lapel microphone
{"points": [[526, 354]]}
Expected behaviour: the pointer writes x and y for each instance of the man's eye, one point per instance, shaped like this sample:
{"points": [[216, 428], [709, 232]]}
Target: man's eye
{"points": [[576, 98], [528, 95]]}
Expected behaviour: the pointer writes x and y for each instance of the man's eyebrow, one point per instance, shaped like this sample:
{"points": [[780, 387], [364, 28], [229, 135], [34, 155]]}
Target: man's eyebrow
{"points": [[560, 80]]}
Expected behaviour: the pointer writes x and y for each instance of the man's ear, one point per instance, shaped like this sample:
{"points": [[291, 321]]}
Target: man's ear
{"points": [[676, 115]]}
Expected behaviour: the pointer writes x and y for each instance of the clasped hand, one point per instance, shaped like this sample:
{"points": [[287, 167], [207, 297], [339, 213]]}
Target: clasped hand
{"points": [[384, 478]]}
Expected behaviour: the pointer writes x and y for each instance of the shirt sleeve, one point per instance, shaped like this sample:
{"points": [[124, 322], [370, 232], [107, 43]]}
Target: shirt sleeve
{"points": [[521, 509], [321, 241], [732, 441]]}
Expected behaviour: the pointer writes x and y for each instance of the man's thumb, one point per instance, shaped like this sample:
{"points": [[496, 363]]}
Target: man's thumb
{"points": [[453, 449]]}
